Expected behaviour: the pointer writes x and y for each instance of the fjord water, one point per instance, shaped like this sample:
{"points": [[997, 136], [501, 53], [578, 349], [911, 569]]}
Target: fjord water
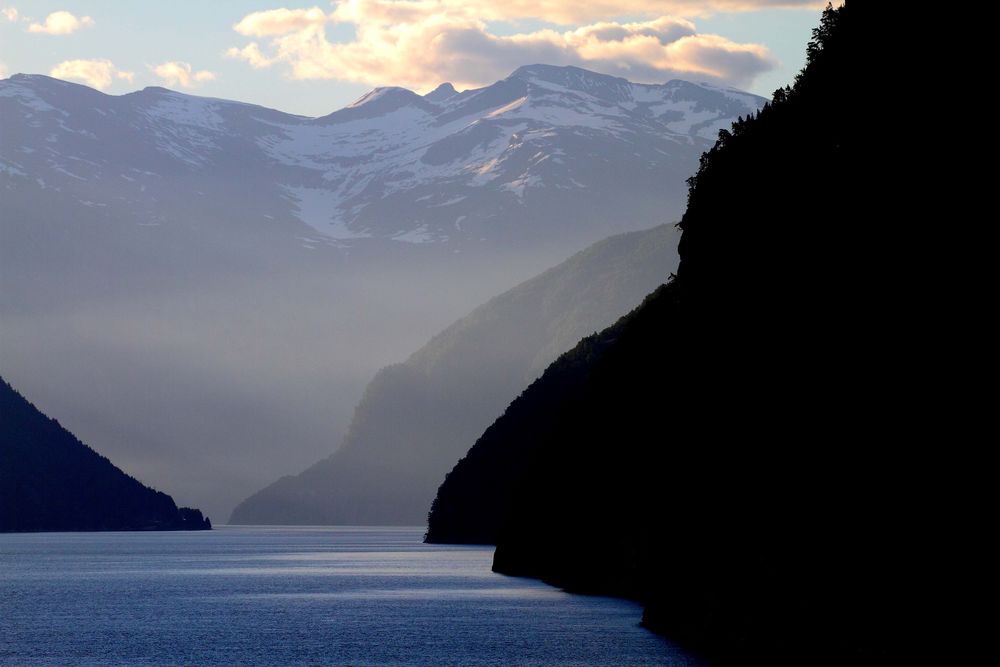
{"points": [[296, 596]]}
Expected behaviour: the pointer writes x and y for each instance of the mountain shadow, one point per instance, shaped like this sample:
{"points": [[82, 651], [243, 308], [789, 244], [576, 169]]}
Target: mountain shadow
{"points": [[417, 418], [736, 452], [50, 481]]}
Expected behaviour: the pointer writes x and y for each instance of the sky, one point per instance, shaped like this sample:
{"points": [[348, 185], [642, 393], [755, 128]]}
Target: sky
{"points": [[312, 58]]}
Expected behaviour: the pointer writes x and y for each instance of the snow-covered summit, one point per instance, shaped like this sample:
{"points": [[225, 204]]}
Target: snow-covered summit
{"points": [[546, 152], [441, 93]]}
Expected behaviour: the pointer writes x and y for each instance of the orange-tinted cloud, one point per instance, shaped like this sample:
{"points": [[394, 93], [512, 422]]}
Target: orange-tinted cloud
{"points": [[95, 73], [175, 73], [420, 43], [280, 21], [562, 12], [252, 54]]}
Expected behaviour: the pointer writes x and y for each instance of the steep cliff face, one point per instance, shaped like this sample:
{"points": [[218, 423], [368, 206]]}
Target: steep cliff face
{"points": [[734, 452], [417, 418], [50, 481]]}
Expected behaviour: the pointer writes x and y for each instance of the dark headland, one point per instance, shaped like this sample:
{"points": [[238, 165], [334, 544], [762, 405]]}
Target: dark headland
{"points": [[735, 452], [50, 481]]}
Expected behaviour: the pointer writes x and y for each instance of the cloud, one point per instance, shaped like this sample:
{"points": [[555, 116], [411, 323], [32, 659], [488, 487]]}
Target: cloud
{"points": [[95, 73], [10, 13], [562, 12], [569, 12], [61, 23], [3, 71], [175, 73], [280, 21], [421, 43], [252, 54]]}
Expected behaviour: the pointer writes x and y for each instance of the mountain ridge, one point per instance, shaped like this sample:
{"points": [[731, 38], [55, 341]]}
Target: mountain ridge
{"points": [[503, 142]]}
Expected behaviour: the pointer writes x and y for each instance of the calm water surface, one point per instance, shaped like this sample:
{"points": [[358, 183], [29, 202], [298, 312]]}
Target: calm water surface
{"points": [[295, 596]]}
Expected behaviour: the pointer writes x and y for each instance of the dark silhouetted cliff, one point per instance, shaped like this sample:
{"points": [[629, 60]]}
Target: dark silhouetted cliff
{"points": [[50, 481], [738, 451]]}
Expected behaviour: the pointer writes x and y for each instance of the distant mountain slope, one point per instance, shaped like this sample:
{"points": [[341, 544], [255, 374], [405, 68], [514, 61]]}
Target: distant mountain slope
{"points": [[739, 452], [418, 417], [50, 481], [487, 165], [241, 256]]}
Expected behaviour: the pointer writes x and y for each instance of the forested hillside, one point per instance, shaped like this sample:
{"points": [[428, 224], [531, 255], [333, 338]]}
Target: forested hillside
{"points": [[736, 452]]}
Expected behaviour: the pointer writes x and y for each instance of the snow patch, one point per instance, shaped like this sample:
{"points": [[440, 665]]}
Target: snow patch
{"points": [[516, 104], [449, 202], [418, 235], [522, 183], [318, 208], [180, 109], [28, 98], [8, 168]]}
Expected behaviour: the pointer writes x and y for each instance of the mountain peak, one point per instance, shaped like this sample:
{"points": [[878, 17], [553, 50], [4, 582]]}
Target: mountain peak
{"points": [[441, 93], [39, 80], [378, 102], [563, 74], [612, 89], [20, 76], [381, 95]]}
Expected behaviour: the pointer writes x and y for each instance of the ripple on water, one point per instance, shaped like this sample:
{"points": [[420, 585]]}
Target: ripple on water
{"points": [[296, 596]]}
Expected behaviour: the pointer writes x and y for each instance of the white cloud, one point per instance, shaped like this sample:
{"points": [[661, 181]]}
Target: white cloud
{"points": [[419, 43], [176, 73], [573, 11], [3, 71], [61, 23], [562, 12], [10, 13], [252, 54], [280, 21], [95, 73]]}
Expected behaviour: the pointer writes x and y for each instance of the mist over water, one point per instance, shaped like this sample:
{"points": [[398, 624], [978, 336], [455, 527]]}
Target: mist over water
{"points": [[307, 596], [209, 389]]}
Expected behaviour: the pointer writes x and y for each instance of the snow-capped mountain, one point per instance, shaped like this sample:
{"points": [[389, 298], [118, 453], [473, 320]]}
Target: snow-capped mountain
{"points": [[167, 260], [448, 167]]}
